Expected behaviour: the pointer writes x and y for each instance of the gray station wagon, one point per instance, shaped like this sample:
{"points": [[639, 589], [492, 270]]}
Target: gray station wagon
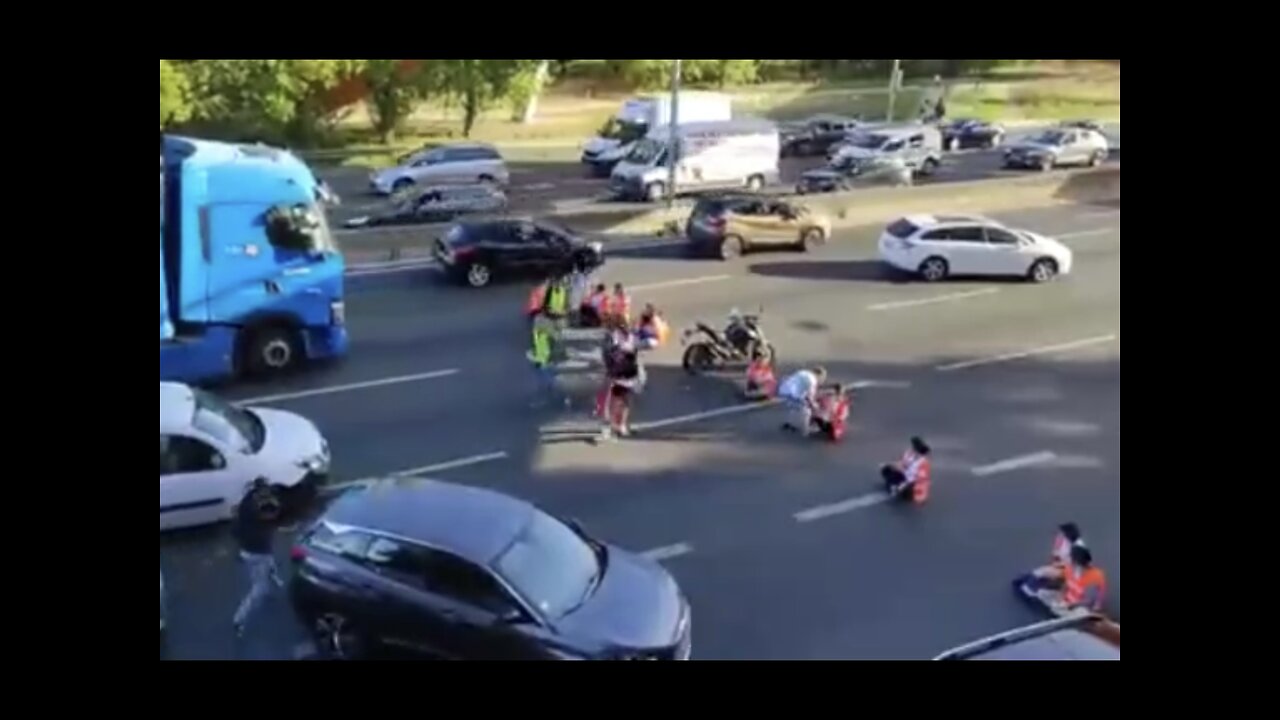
{"points": [[468, 163]]}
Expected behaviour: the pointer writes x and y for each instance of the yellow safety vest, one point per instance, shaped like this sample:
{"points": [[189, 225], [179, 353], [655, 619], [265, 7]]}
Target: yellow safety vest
{"points": [[540, 353]]}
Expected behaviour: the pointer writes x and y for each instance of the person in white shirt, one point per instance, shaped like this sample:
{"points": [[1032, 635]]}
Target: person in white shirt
{"points": [[800, 393]]}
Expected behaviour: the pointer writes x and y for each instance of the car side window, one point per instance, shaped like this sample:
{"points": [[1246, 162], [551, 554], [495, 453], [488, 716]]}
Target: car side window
{"points": [[971, 234], [180, 455], [997, 236], [917, 141], [430, 159], [459, 580], [894, 146], [941, 235]]}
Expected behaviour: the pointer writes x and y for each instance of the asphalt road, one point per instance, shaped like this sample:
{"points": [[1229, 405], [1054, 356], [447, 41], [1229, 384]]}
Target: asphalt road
{"points": [[550, 187], [1017, 387]]}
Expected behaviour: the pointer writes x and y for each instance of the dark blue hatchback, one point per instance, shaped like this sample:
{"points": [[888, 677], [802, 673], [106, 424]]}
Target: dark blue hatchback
{"points": [[461, 573]]}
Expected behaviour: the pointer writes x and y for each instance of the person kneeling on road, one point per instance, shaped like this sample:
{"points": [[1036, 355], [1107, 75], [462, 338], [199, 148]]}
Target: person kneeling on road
{"points": [[799, 392], [652, 331], [761, 383], [910, 478], [832, 416]]}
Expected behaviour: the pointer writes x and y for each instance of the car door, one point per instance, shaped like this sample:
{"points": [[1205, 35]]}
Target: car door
{"points": [[427, 168], [748, 220], [968, 250], [1005, 254], [403, 610], [1072, 149], [194, 482]]}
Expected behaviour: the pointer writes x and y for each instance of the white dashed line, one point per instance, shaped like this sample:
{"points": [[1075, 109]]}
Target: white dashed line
{"points": [[823, 512], [681, 283], [1087, 233], [348, 388], [749, 407], [952, 297], [451, 465], [1047, 350], [669, 552], [1017, 463]]}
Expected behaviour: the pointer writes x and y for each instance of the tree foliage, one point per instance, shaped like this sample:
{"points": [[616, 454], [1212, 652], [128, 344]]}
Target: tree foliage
{"points": [[477, 84], [175, 94], [396, 87]]}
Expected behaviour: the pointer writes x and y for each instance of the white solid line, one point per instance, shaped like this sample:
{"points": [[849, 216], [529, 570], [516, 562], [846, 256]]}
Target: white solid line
{"points": [[1087, 233], [930, 301], [670, 552], [825, 511], [1048, 350], [536, 186], [748, 407], [410, 262], [348, 388], [1017, 463], [391, 271], [680, 283], [451, 465]]}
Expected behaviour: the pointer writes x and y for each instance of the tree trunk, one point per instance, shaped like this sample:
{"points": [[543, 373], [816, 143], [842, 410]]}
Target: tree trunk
{"points": [[470, 110], [531, 105]]}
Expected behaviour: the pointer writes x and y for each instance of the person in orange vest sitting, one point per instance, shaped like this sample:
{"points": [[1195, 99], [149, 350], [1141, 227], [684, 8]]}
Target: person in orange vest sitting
{"points": [[1084, 587], [591, 313], [762, 383], [911, 477], [620, 304], [652, 331], [1050, 576], [832, 416]]}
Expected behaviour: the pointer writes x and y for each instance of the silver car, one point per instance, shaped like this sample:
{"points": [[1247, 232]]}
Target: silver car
{"points": [[461, 164], [1059, 147]]}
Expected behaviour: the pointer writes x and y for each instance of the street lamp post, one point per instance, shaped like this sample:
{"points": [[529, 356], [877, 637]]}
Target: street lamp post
{"points": [[673, 144], [893, 87]]}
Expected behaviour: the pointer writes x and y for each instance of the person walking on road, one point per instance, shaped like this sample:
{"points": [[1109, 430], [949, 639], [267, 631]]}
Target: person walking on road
{"points": [[800, 393], [255, 533], [540, 357]]}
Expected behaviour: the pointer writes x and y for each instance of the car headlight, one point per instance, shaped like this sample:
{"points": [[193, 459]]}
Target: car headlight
{"points": [[318, 463]]}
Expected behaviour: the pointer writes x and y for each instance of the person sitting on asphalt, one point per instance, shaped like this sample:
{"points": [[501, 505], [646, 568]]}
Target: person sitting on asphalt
{"points": [[1050, 576], [911, 477], [1084, 587], [592, 310], [799, 392], [761, 383], [832, 414], [652, 331], [620, 304]]}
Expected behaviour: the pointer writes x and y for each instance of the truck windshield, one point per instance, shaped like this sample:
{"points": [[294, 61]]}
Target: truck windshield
{"points": [[322, 236], [624, 131], [646, 152], [232, 426]]}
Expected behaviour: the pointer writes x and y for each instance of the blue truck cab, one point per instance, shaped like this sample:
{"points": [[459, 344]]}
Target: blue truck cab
{"points": [[251, 280]]}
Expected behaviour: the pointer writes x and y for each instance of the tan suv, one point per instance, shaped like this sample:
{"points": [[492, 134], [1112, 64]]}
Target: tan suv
{"points": [[729, 226]]}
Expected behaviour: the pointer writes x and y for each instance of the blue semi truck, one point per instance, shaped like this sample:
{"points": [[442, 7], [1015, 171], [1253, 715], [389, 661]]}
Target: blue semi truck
{"points": [[251, 280]]}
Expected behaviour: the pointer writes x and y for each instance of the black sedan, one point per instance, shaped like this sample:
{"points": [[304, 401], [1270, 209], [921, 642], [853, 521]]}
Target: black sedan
{"points": [[967, 133], [435, 205], [817, 135], [456, 572], [477, 252]]}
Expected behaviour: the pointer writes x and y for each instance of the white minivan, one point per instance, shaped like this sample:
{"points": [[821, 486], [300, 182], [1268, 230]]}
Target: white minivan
{"points": [[211, 452], [724, 155]]}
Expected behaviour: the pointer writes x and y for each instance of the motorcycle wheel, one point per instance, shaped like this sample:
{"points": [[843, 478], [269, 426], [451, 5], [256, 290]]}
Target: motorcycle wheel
{"points": [[698, 359]]}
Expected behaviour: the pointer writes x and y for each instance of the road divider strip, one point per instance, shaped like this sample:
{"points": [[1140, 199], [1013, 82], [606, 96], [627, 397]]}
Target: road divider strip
{"points": [[669, 552], [1018, 463], [1047, 350], [951, 297], [335, 389]]}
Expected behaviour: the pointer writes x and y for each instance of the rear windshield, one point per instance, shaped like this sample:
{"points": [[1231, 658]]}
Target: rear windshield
{"points": [[902, 229]]}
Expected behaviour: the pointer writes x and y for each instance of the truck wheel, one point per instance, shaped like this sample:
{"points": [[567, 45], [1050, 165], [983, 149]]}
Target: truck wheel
{"points": [[273, 350]]}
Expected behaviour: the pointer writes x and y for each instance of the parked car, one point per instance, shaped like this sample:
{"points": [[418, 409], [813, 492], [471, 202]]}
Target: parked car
{"points": [[918, 146], [1083, 637], [730, 225], [435, 205], [468, 163], [936, 247], [816, 135], [211, 452], [1093, 125], [477, 252], [968, 133], [464, 573], [1054, 148], [848, 175]]}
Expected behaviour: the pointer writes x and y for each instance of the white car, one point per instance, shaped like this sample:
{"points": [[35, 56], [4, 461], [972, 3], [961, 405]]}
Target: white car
{"points": [[936, 247], [212, 451]]}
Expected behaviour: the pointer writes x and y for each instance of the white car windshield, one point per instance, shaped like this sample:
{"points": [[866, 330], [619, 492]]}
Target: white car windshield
{"points": [[551, 566], [238, 429], [869, 142], [646, 152]]}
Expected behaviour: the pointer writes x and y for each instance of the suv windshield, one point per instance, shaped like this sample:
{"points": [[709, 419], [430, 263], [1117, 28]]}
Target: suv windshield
{"points": [[869, 142], [232, 426], [1051, 137], [624, 131], [551, 566]]}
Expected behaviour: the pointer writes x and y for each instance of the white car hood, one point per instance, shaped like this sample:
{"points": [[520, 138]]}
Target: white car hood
{"points": [[1054, 247], [291, 441]]}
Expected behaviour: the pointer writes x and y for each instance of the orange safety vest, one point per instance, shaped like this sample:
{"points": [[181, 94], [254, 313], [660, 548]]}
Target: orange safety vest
{"points": [[924, 476], [597, 301], [1077, 582], [760, 374], [836, 408], [661, 330], [620, 306], [536, 298]]}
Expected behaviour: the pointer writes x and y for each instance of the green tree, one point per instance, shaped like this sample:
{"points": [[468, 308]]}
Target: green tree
{"points": [[175, 94], [396, 87], [477, 84]]}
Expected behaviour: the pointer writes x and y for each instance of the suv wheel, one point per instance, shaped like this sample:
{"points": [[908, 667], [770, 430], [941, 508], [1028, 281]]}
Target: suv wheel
{"points": [[929, 166], [655, 191], [1097, 159], [811, 239], [401, 185], [337, 638], [479, 275], [935, 269], [731, 247], [755, 183], [1046, 163]]}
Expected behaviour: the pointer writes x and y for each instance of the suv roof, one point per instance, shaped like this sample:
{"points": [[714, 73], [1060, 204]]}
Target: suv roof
{"points": [[470, 522], [934, 221]]}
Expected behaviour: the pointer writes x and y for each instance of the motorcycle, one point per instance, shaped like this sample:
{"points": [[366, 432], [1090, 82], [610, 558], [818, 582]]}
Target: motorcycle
{"points": [[713, 350]]}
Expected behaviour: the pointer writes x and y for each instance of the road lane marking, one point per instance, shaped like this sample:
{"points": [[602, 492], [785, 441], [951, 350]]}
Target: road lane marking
{"points": [[332, 390], [951, 297], [680, 283], [1087, 233], [1047, 350], [535, 187], [751, 406], [823, 512], [338, 488], [1017, 463], [669, 552], [390, 268]]}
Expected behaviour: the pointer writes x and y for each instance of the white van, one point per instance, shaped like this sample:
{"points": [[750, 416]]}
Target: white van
{"points": [[712, 155], [640, 115]]}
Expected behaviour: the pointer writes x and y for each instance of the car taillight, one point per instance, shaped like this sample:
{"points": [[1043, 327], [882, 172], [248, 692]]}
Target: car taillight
{"points": [[464, 252], [716, 222], [297, 554]]}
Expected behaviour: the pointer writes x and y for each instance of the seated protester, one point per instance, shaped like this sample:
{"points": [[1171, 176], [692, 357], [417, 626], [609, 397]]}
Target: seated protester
{"points": [[911, 477], [1084, 585], [620, 304], [592, 311], [652, 331], [762, 383], [832, 416]]}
